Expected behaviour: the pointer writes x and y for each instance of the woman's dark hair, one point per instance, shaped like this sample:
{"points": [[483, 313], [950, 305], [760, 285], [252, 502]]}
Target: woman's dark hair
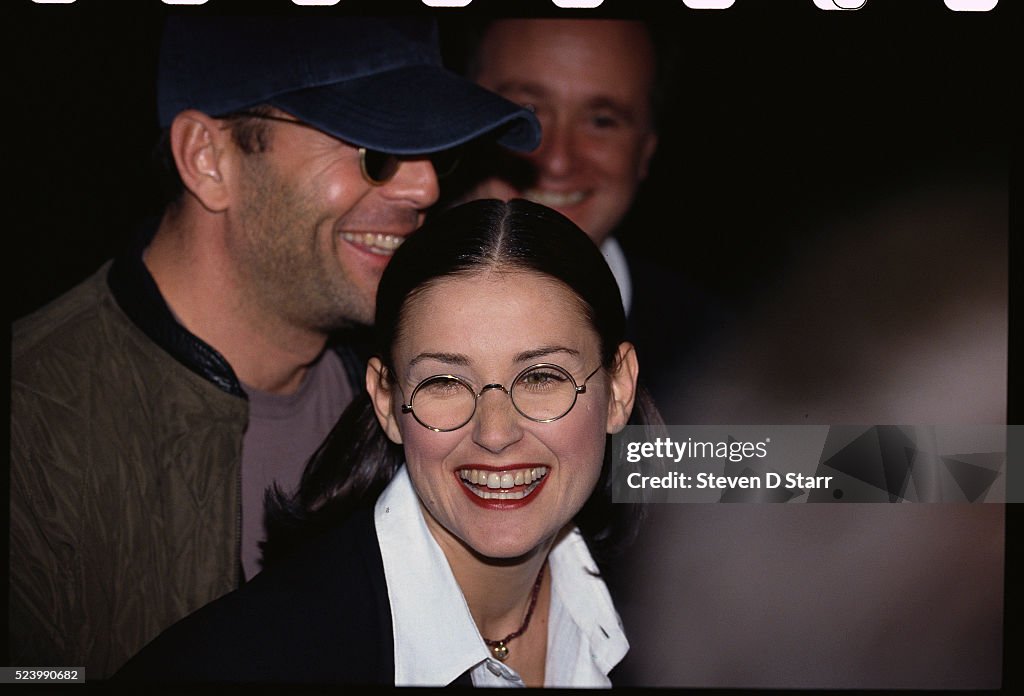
{"points": [[357, 460]]}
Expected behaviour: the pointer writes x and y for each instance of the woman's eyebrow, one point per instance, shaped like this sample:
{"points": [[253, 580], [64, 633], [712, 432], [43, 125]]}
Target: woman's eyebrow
{"points": [[544, 352], [449, 358], [524, 356]]}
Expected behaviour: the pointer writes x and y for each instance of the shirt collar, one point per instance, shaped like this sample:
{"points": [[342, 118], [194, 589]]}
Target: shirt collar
{"points": [[436, 640], [616, 259], [585, 636]]}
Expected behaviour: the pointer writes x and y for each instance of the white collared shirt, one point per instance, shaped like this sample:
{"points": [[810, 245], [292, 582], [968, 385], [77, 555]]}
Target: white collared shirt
{"points": [[616, 259], [436, 640]]}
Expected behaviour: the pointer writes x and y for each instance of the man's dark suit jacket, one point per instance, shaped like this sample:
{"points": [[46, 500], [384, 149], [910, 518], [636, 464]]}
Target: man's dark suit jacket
{"points": [[673, 322]]}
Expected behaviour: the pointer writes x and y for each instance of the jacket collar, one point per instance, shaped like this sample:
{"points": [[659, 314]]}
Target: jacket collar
{"points": [[139, 297]]}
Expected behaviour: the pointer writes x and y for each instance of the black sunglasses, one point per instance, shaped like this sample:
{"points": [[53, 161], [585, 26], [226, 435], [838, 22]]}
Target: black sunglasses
{"points": [[378, 168]]}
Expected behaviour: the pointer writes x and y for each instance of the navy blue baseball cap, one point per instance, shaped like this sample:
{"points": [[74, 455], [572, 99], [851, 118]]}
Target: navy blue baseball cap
{"points": [[373, 82]]}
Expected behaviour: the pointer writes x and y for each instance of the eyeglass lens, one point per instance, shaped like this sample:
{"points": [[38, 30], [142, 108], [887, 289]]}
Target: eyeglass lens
{"points": [[541, 393]]}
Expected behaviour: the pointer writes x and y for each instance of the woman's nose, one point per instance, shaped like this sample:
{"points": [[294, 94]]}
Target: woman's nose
{"points": [[496, 423]]}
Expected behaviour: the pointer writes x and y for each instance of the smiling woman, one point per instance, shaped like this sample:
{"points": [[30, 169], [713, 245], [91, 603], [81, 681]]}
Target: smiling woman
{"points": [[462, 504]]}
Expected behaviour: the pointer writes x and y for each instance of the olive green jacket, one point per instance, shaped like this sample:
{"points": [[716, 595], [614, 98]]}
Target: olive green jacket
{"points": [[124, 486], [126, 441]]}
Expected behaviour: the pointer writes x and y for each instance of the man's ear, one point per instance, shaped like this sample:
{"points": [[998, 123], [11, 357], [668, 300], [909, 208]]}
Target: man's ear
{"points": [[647, 150], [199, 145], [378, 385], [623, 388]]}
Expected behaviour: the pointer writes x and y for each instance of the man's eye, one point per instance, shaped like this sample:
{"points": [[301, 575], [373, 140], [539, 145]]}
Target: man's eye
{"points": [[605, 121]]}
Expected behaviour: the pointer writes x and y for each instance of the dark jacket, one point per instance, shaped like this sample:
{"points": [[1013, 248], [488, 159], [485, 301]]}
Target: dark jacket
{"points": [[126, 440], [321, 617], [674, 324]]}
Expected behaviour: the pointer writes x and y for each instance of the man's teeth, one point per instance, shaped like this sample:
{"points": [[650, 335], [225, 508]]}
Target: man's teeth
{"points": [[377, 243], [553, 199], [497, 483]]}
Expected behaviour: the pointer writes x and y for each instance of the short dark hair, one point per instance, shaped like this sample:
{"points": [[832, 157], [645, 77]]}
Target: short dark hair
{"points": [[252, 135], [357, 460]]}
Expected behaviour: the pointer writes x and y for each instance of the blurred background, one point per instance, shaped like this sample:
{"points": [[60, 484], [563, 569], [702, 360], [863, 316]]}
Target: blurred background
{"points": [[839, 181]]}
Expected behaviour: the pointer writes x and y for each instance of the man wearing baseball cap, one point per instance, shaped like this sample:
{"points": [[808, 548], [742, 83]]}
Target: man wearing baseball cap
{"points": [[154, 404]]}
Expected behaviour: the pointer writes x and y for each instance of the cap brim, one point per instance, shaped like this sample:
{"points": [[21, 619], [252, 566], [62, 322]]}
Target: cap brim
{"points": [[412, 110]]}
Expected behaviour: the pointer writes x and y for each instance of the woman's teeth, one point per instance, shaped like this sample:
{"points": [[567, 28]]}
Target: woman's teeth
{"points": [[496, 485]]}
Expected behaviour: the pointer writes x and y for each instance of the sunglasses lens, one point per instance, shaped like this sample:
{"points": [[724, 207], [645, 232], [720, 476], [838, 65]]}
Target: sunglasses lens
{"points": [[446, 161], [379, 166]]}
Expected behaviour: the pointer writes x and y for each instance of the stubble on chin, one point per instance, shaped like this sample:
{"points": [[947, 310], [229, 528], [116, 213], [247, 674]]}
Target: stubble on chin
{"points": [[285, 264]]}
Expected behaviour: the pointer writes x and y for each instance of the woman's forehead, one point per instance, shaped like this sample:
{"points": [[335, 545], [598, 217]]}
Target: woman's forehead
{"points": [[510, 311]]}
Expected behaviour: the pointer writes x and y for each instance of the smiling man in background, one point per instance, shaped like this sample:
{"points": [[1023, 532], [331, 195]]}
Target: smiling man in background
{"points": [[153, 404], [597, 87], [591, 85]]}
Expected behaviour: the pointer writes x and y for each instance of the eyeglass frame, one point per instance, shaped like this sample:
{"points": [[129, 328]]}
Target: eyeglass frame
{"points": [[363, 151], [577, 390]]}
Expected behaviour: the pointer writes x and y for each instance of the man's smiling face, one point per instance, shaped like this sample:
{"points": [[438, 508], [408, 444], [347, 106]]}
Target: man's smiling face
{"points": [[589, 83]]}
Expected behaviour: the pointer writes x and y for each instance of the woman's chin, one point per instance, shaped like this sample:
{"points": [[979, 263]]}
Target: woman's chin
{"points": [[508, 549]]}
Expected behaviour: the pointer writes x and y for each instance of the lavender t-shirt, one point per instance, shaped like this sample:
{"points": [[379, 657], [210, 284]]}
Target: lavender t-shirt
{"points": [[283, 433]]}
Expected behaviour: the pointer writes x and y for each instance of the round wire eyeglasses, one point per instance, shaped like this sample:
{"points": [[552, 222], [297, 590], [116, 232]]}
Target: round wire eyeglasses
{"points": [[543, 393]]}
